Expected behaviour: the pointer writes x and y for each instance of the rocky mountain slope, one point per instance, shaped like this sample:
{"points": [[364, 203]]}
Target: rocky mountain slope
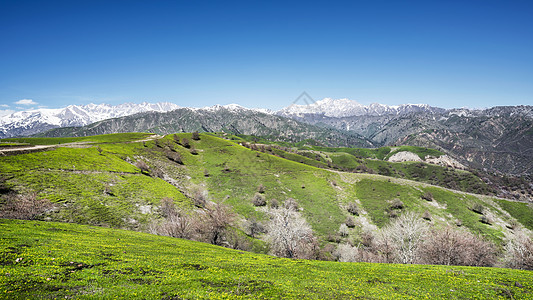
{"points": [[497, 139]]}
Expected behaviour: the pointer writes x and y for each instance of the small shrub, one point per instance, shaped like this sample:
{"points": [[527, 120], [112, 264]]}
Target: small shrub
{"points": [[206, 172], [174, 156], [199, 196], [193, 151], [426, 216], [274, 203], [428, 196], [353, 209], [485, 220], [349, 222], [478, 208], [168, 207], [143, 166], [261, 189], [176, 224], [396, 204], [291, 204], [513, 225], [252, 227], [185, 143], [196, 136], [334, 183], [333, 238], [99, 149], [458, 223], [258, 200]]}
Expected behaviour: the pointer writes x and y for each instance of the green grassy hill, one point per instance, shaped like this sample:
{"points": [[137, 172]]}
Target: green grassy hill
{"points": [[47, 260], [95, 181]]}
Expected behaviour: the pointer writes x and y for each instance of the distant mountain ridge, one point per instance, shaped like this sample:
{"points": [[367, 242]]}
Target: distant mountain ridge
{"points": [[347, 108], [218, 118], [30, 122]]}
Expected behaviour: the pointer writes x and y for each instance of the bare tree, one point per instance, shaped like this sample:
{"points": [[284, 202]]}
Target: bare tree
{"points": [[178, 224], [289, 234], [519, 252], [406, 233], [450, 246], [214, 221]]}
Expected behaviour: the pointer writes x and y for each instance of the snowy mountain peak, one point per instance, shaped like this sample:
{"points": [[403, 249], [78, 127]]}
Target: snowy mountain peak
{"points": [[346, 108], [34, 121]]}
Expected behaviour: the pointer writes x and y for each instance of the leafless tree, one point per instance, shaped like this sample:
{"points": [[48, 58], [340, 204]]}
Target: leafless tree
{"points": [[450, 246], [215, 219], [406, 234], [289, 234], [178, 224]]}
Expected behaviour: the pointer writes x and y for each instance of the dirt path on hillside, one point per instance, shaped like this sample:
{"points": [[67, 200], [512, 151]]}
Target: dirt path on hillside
{"points": [[4, 152]]}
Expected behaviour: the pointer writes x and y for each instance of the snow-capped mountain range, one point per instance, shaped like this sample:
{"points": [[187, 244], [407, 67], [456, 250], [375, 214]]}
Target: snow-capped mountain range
{"points": [[23, 123], [339, 108]]}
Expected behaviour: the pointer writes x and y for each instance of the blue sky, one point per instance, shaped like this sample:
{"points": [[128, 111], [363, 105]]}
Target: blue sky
{"points": [[265, 54]]}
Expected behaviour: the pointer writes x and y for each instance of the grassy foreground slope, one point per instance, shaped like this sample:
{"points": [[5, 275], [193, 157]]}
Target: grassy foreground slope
{"points": [[57, 260]]}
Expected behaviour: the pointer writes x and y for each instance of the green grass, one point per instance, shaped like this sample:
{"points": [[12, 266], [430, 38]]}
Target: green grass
{"points": [[59, 260], [523, 212]]}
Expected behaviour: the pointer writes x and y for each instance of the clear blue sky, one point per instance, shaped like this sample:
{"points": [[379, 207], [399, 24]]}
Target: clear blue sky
{"points": [[264, 54]]}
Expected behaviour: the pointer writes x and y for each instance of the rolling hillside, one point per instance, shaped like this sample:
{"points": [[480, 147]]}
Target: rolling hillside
{"points": [[95, 181]]}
